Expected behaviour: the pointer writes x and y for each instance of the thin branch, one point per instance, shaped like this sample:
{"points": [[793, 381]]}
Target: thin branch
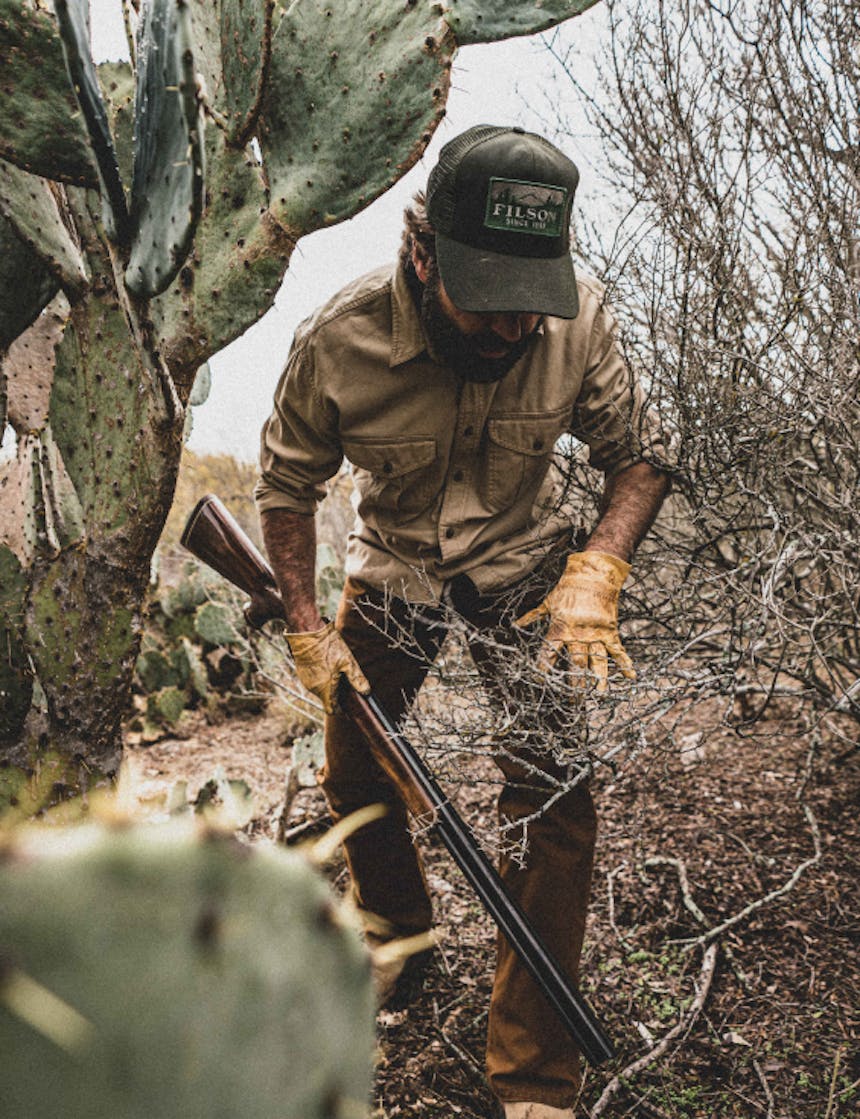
{"points": [[706, 975], [753, 907]]}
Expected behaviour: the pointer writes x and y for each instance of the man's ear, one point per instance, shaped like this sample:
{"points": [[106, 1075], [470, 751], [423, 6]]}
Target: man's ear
{"points": [[420, 262]]}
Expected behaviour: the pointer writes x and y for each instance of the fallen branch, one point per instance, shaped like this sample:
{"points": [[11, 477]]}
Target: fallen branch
{"points": [[610, 879], [767, 1092], [831, 1099], [709, 963], [683, 881], [718, 930]]}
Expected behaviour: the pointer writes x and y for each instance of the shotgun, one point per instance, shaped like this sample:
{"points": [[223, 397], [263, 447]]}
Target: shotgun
{"points": [[214, 537]]}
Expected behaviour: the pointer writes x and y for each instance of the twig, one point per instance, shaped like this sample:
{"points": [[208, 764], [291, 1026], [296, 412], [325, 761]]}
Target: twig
{"points": [[610, 878], [456, 1049], [718, 930], [651, 1109], [706, 975], [831, 1099], [292, 834], [664, 860], [814, 748], [766, 1086]]}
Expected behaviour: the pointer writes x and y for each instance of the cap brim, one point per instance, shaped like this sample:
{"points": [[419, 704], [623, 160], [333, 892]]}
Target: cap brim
{"points": [[482, 281]]}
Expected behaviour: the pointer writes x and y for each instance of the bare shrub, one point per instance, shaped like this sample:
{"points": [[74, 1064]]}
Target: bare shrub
{"points": [[728, 239]]}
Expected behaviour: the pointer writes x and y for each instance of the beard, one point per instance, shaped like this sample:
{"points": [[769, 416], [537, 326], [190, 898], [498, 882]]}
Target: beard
{"points": [[462, 352]]}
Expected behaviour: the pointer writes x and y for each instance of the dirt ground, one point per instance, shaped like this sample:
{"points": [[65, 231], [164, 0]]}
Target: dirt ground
{"points": [[760, 1019]]}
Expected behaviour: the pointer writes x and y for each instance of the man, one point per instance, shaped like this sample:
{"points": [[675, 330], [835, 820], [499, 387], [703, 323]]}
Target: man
{"points": [[446, 385]]}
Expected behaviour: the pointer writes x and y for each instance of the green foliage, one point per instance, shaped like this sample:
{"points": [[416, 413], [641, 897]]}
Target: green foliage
{"points": [[195, 649], [176, 973]]}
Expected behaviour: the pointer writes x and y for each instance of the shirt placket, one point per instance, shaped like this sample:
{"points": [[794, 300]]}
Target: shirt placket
{"points": [[474, 404]]}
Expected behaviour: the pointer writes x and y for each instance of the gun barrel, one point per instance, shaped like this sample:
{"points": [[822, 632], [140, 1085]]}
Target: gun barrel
{"points": [[213, 536], [427, 797]]}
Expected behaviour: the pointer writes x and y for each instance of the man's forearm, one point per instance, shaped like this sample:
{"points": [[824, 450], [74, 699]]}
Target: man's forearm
{"points": [[291, 544], [631, 501]]}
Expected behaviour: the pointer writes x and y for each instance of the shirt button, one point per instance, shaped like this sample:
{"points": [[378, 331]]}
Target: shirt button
{"points": [[449, 532], [537, 445], [459, 475], [467, 431], [387, 468]]}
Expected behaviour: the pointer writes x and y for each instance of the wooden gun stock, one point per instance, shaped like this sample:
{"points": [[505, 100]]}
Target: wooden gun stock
{"points": [[213, 536]]}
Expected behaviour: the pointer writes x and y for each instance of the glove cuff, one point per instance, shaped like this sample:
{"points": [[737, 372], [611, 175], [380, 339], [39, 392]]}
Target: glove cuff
{"points": [[301, 641], [610, 568]]}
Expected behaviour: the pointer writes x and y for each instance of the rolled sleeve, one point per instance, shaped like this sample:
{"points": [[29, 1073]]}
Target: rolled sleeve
{"points": [[299, 446], [612, 415]]}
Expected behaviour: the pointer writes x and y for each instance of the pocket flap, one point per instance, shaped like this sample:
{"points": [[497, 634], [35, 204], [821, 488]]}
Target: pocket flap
{"points": [[390, 457], [527, 435]]}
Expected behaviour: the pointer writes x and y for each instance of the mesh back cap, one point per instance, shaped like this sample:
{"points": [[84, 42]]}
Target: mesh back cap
{"points": [[499, 200]]}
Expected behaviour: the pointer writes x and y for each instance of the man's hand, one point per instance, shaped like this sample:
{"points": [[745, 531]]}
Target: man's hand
{"points": [[583, 618], [322, 657]]}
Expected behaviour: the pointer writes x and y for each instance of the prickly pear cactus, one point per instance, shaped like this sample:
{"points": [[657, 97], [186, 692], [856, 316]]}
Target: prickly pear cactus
{"points": [[176, 974], [148, 211]]}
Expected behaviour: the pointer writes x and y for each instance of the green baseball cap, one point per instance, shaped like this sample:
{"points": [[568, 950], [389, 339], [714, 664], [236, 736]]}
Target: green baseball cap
{"points": [[499, 200]]}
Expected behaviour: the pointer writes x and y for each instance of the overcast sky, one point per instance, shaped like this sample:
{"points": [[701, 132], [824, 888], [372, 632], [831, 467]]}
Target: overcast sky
{"points": [[500, 83]]}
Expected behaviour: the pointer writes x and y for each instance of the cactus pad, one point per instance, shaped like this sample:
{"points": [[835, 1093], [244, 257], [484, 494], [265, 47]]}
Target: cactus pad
{"points": [[55, 518], [355, 91], [485, 21], [246, 50], [16, 681], [29, 368], [232, 50], [26, 285], [202, 386], [240, 257], [29, 204], [196, 977], [167, 188], [116, 80], [108, 443], [73, 21], [41, 127]]}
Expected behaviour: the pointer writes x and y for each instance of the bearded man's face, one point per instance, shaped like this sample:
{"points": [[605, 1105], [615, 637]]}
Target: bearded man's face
{"points": [[479, 346]]}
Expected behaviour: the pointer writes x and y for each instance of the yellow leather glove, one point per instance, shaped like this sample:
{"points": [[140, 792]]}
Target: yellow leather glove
{"points": [[321, 658], [582, 610]]}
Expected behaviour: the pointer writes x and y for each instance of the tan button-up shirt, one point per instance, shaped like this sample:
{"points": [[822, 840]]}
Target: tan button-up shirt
{"points": [[450, 477]]}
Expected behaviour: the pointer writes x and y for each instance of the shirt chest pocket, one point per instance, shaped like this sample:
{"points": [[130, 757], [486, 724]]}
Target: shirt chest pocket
{"points": [[519, 449], [393, 475]]}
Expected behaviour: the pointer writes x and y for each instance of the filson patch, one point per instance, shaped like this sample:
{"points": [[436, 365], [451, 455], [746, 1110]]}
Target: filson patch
{"points": [[520, 207]]}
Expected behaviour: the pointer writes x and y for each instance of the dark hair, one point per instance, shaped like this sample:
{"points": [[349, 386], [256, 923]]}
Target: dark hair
{"points": [[417, 230]]}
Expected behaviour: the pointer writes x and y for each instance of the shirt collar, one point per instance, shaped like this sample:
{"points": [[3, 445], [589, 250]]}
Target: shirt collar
{"points": [[407, 337]]}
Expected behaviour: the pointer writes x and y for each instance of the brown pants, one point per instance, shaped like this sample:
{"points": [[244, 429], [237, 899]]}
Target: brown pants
{"points": [[529, 1054]]}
